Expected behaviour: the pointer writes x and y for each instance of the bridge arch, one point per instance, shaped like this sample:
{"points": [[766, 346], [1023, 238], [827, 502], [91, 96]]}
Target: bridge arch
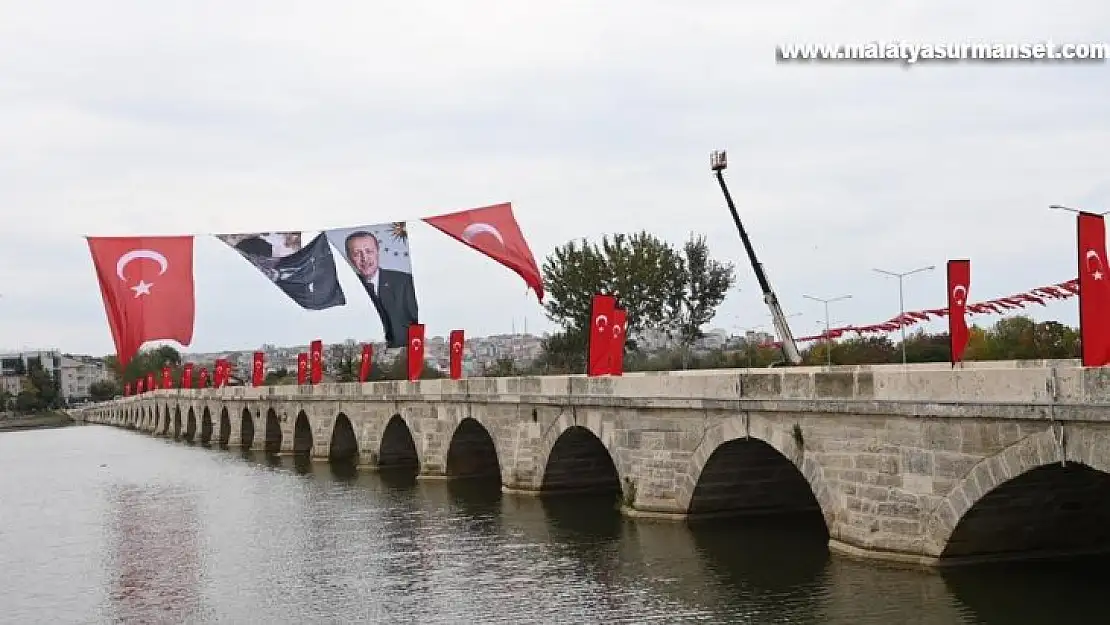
{"points": [[302, 435], [272, 441], [398, 449], [472, 452], [1024, 502], [177, 421], [224, 435], [576, 460], [190, 425], [738, 463], [343, 447], [206, 426], [246, 429]]}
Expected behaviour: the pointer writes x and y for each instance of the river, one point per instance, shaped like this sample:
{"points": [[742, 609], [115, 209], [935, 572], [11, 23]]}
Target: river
{"points": [[100, 525]]}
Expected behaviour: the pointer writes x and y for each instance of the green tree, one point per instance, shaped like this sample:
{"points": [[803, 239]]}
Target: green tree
{"points": [[702, 285], [45, 385], [658, 286], [343, 361], [104, 390], [640, 268]]}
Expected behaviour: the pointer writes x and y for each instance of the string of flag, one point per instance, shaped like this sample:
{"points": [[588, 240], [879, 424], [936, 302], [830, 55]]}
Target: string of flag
{"points": [[148, 289]]}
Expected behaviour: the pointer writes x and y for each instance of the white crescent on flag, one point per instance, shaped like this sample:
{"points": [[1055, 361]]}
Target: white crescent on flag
{"points": [[475, 229]]}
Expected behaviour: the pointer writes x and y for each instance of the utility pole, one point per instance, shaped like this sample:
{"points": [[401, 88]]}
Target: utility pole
{"points": [[902, 300], [828, 334]]}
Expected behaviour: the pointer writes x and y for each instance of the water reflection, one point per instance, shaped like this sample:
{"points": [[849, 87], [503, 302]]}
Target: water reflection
{"points": [[154, 555], [185, 535], [1019, 592]]}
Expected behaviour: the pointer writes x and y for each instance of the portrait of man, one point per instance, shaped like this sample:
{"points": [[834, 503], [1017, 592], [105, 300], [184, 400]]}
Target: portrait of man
{"points": [[305, 273], [379, 254]]}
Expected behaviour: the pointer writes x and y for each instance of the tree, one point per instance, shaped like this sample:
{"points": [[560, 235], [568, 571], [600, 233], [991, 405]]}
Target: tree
{"points": [[640, 268], [702, 287], [145, 362], [658, 286], [343, 361], [104, 390]]}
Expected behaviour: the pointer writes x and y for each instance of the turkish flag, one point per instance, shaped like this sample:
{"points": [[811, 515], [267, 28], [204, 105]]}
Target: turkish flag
{"points": [[959, 283], [620, 333], [366, 363], [150, 381], [139, 386], [457, 343], [127, 389], [416, 351], [187, 375], [1094, 291], [302, 368], [601, 333], [317, 352], [493, 231], [258, 377], [147, 287], [167, 378], [202, 378], [219, 380]]}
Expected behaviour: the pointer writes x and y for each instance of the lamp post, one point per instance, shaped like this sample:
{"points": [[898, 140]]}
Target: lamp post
{"points": [[828, 334], [902, 300]]}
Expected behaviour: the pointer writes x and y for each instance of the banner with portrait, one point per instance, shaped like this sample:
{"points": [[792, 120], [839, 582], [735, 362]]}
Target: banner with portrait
{"points": [[379, 255], [306, 274]]}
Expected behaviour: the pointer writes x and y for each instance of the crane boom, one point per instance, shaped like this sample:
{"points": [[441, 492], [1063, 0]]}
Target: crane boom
{"points": [[782, 328]]}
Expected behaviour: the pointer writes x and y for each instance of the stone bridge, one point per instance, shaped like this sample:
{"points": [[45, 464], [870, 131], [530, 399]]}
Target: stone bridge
{"points": [[922, 464]]}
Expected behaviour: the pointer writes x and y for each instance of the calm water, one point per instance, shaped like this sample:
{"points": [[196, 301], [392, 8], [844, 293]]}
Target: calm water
{"points": [[99, 525]]}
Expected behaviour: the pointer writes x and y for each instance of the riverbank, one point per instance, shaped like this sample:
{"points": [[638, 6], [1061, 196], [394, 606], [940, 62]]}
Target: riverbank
{"points": [[35, 421]]}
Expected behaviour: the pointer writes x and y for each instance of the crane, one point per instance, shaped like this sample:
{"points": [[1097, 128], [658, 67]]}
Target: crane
{"points": [[718, 162]]}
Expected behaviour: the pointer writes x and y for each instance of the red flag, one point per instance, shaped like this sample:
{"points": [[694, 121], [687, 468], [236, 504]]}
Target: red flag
{"points": [[493, 231], [187, 375], [457, 342], [147, 287], [366, 363], [601, 333], [959, 282], [302, 368], [202, 378], [259, 372], [150, 381], [167, 378], [127, 389], [1094, 291], [416, 351], [220, 377], [139, 386], [620, 332], [317, 350]]}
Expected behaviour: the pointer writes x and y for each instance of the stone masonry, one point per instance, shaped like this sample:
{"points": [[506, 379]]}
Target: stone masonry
{"points": [[894, 457]]}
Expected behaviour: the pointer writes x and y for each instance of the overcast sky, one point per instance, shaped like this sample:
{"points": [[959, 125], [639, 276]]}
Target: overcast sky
{"points": [[138, 117]]}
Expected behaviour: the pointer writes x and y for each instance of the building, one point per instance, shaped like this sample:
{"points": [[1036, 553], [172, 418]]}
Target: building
{"points": [[77, 374]]}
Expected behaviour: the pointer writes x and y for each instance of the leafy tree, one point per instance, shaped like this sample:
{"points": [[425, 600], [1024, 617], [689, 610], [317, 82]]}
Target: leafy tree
{"points": [[640, 268], [280, 377], [501, 368], [148, 361], [702, 286], [659, 287], [104, 390], [344, 360]]}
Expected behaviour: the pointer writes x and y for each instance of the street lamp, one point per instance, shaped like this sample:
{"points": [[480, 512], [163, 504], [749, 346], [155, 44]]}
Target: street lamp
{"points": [[902, 300], [828, 334]]}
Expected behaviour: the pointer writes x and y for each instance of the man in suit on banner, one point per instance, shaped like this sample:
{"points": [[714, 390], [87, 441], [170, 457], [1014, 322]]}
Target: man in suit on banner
{"points": [[391, 290]]}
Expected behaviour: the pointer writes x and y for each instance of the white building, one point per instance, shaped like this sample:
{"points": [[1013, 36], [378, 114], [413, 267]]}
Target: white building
{"points": [[77, 376]]}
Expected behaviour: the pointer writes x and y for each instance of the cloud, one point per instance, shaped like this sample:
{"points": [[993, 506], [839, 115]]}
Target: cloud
{"points": [[126, 118]]}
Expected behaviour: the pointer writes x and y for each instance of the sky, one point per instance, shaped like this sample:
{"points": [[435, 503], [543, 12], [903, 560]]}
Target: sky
{"points": [[132, 117]]}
